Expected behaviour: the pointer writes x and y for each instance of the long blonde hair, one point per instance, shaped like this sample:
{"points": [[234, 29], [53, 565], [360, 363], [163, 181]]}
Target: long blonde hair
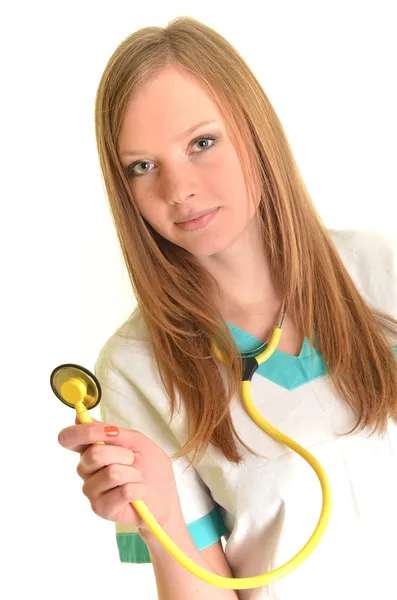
{"points": [[180, 312]]}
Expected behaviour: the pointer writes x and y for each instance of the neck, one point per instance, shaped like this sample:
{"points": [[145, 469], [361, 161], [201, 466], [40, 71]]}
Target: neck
{"points": [[243, 273]]}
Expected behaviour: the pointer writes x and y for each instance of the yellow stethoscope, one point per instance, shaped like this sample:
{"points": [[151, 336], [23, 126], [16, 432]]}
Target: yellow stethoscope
{"points": [[78, 388]]}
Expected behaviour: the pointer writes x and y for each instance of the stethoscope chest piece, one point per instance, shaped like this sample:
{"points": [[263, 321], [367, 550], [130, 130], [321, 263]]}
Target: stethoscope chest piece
{"points": [[73, 383]]}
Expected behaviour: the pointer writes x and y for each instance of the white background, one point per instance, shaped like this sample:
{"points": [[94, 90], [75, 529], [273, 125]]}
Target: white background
{"points": [[329, 68]]}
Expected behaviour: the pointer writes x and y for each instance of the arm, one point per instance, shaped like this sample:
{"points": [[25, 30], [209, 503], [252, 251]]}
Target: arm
{"points": [[173, 581]]}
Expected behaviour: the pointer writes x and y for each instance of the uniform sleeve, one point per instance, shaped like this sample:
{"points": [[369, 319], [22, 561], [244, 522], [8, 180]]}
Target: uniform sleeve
{"points": [[125, 405]]}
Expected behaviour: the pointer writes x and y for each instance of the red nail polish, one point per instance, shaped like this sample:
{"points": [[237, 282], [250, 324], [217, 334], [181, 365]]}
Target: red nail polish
{"points": [[111, 430]]}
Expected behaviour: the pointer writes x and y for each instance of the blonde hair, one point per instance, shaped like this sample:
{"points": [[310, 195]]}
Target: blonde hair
{"points": [[180, 311]]}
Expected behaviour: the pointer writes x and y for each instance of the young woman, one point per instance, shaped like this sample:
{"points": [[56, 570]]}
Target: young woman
{"points": [[218, 233]]}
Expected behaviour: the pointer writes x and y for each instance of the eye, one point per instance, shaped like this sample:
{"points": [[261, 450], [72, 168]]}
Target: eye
{"points": [[206, 138], [131, 172]]}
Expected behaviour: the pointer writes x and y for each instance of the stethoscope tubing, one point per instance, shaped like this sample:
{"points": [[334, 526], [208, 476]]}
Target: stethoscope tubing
{"points": [[250, 364]]}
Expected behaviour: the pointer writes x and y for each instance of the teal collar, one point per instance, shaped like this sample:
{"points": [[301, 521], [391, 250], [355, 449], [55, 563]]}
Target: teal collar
{"points": [[285, 370]]}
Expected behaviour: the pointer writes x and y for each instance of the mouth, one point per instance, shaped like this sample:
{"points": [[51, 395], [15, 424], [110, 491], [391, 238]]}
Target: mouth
{"points": [[200, 221], [195, 216]]}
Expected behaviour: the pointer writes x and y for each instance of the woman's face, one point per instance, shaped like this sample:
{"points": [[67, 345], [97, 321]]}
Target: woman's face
{"points": [[174, 173]]}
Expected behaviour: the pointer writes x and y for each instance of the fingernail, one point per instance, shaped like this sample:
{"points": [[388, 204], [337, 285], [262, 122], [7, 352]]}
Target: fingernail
{"points": [[111, 430]]}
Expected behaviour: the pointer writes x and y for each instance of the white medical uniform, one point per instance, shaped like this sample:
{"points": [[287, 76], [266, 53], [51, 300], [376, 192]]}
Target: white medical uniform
{"points": [[267, 508]]}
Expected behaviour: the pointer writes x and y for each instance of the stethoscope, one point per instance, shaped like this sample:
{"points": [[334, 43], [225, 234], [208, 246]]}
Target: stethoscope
{"points": [[78, 388]]}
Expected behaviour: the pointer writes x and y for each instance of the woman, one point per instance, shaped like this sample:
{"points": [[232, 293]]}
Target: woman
{"points": [[218, 232]]}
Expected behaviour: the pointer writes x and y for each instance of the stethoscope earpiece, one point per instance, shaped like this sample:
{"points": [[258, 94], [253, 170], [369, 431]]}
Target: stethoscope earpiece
{"points": [[73, 383]]}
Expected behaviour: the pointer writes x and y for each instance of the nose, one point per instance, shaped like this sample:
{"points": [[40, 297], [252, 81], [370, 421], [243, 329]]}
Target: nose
{"points": [[176, 185]]}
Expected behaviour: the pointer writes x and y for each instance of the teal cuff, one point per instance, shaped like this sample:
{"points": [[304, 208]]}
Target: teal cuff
{"points": [[204, 532]]}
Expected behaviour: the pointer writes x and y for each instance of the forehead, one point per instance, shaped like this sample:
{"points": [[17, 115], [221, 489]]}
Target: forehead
{"points": [[166, 105]]}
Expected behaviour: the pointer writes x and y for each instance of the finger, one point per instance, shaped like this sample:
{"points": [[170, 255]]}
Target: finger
{"points": [[111, 504], [108, 478], [97, 456], [78, 437]]}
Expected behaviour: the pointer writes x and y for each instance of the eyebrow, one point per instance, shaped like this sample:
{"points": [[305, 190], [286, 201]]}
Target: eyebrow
{"points": [[184, 135]]}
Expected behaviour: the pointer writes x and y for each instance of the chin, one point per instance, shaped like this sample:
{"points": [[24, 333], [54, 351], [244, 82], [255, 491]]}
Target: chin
{"points": [[207, 247]]}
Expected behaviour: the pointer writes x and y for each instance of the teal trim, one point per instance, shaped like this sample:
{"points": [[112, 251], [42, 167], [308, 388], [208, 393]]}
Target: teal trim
{"points": [[132, 548], [204, 532], [285, 370]]}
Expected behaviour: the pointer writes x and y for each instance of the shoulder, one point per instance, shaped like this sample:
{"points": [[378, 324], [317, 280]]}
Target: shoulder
{"points": [[132, 391], [370, 257], [130, 339], [371, 248]]}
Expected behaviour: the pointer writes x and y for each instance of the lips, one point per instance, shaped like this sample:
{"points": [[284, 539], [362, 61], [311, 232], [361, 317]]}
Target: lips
{"points": [[195, 215], [199, 222]]}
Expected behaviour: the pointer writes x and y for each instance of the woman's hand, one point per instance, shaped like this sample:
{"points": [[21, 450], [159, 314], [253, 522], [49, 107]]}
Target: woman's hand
{"points": [[128, 467]]}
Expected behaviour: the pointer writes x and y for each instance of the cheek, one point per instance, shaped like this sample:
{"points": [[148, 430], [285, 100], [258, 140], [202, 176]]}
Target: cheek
{"points": [[147, 204], [224, 180], [231, 185], [234, 196]]}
